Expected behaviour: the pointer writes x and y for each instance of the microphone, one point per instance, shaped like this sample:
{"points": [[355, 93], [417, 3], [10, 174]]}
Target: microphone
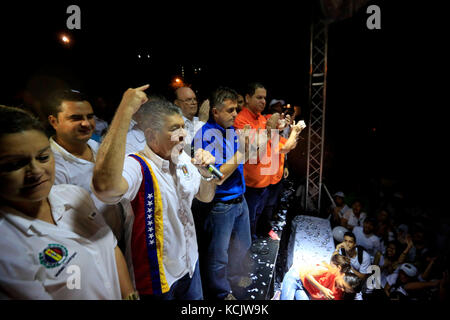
{"points": [[213, 170]]}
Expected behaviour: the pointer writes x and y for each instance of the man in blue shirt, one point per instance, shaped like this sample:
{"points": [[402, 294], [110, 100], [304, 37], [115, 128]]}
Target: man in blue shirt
{"points": [[227, 226]]}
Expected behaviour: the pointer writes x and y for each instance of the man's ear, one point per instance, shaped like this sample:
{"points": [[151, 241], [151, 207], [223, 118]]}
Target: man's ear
{"points": [[149, 135], [214, 111], [53, 121]]}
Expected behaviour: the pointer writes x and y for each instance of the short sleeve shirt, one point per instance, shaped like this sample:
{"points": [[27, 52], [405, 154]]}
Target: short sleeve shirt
{"points": [[38, 258], [371, 243], [352, 220], [222, 144], [257, 173], [178, 189], [73, 170], [326, 278]]}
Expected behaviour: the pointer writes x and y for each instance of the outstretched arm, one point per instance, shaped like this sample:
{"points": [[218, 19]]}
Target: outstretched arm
{"points": [[107, 180], [239, 157], [293, 137]]}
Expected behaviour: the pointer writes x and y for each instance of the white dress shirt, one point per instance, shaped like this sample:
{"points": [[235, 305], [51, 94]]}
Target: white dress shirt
{"points": [[73, 170], [39, 259], [178, 188], [192, 127], [135, 139]]}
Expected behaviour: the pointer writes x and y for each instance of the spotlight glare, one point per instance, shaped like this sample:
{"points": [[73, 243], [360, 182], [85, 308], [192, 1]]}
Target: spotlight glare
{"points": [[65, 39]]}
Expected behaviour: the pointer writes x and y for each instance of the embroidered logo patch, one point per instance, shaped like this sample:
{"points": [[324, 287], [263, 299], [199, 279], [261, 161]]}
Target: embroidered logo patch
{"points": [[185, 171], [53, 255]]}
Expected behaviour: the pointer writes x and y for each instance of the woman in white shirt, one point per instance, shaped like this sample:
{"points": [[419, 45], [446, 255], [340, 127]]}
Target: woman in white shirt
{"points": [[54, 244]]}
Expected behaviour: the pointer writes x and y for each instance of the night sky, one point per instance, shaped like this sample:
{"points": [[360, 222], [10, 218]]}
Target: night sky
{"points": [[385, 98]]}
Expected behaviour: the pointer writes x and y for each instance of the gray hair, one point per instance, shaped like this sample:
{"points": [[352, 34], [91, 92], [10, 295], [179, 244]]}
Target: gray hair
{"points": [[152, 114], [221, 94]]}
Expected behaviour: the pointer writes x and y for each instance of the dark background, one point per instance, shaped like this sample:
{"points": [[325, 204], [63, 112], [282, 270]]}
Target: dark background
{"points": [[385, 113]]}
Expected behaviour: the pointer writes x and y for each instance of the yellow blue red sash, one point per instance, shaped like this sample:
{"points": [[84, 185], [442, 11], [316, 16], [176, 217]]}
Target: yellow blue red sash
{"points": [[148, 234]]}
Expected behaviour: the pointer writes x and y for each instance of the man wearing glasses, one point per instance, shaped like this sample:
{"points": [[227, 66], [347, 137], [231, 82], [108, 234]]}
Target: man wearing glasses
{"points": [[186, 100]]}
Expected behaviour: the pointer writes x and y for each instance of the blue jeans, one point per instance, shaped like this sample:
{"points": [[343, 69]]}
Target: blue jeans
{"points": [[256, 199], [228, 231], [185, 288], [292, 287]]}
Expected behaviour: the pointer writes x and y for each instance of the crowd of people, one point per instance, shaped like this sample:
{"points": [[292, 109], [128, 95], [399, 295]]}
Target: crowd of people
{"points": [[162, 202], [165, 200], [411, 252], [393, 250]]}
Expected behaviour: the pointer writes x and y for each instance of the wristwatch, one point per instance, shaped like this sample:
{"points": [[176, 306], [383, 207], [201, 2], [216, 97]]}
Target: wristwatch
{"points": [[207, 178]]}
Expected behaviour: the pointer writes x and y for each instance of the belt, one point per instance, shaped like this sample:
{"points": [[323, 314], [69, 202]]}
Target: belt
{"points": [[232, 201]]}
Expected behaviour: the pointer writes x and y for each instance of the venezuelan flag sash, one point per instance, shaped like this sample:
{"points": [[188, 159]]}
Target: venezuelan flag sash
{"points": [[147, 234]]}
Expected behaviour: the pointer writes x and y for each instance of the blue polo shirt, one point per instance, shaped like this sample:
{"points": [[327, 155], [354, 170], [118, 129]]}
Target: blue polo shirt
{"points": [[213, 138]]}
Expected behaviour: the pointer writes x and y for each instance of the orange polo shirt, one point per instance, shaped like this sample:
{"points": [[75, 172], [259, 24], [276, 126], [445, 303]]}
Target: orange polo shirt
{"points": [[281, 157], [252, 172]]}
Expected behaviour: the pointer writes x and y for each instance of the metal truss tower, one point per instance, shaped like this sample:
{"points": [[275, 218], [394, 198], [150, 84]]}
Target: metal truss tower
{"points": [[316, 125]]}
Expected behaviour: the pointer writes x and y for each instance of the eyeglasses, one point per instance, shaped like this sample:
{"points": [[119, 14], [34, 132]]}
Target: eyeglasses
{"points": [[189, 100]]}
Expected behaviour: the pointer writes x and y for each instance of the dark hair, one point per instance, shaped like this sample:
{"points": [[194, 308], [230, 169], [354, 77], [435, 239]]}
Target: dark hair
{"points": [[398, 248], [353, 280], [221, 94], [251, 88], [371, 220], [397, 295], [350, 234], [15, 120], [53, 106], [341, 261]]}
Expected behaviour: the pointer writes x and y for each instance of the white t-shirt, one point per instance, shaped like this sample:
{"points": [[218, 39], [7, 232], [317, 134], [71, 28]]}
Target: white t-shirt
{"points": [[369, 242], [135, 139], [73, 170], [38, 259], [180, 251], [352, 220], [362, 268]]}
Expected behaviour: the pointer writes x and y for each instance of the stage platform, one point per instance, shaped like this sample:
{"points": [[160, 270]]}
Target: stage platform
{"points": [[309, 241], [265, 253]]}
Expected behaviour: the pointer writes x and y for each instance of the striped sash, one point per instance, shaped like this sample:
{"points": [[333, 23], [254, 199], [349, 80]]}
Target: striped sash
{"points": [[147, 234]]}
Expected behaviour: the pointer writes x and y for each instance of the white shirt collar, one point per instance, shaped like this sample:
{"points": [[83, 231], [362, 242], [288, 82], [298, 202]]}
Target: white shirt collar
{"points": [[161, 163], [32, 226], [132, 124], [194, 119], [67, 155]]}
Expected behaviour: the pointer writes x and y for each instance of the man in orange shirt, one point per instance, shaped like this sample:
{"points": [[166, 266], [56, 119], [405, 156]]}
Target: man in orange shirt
{"points": [[276, 184], [256, 184], [258, 174]]}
